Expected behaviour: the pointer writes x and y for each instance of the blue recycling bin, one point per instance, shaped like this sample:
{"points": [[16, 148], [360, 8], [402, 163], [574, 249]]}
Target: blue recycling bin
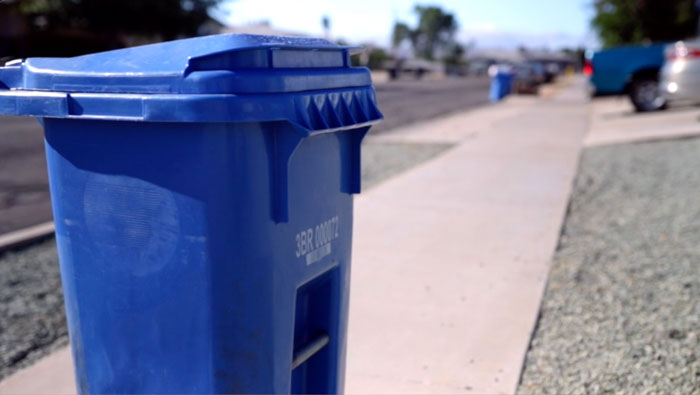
{"points": [[202, 196], [501, 83]]}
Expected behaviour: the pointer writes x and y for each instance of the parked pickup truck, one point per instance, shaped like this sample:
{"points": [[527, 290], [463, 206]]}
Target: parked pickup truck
{"points": [[632, 70]]}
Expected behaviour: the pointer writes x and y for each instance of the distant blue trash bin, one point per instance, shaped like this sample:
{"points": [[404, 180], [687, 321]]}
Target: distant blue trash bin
{"points": [[501, 83], [202, 199]]}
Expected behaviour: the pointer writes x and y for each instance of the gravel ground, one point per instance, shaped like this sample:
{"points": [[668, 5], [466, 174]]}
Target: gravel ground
{"points": [[32, 320], [381, 161], [621, 312]]}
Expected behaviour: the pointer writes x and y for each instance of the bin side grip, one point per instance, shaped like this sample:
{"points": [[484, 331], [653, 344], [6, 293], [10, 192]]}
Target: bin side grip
{"points": [[281, 145], [351, 141], [349, 114]]}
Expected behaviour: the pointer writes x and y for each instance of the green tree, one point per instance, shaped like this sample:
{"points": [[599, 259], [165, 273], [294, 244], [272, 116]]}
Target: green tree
{"points": [[373, 58], [455, 55], [621, 22], [434, 34], [50, 26]]}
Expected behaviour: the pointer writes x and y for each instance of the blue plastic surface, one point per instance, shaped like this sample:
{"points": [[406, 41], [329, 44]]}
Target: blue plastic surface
{"points": [[500, 85], [204, 239]]}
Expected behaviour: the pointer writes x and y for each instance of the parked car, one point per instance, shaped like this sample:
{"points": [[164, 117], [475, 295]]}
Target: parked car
{"points": [[680, 76], [416, 67], [551, 71], [480, 67], [632, 70], [539, 71], [527, 80]]}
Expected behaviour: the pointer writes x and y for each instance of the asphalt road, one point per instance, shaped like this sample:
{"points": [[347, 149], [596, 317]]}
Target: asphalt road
{"points": [[406, 101], [24, 196]]}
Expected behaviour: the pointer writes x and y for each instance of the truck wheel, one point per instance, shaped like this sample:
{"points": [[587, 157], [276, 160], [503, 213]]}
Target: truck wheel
{"points": [[646, 95]]}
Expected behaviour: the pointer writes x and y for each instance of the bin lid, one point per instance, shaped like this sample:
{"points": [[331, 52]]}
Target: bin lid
{"points": [[218, 64], [222, 78]]}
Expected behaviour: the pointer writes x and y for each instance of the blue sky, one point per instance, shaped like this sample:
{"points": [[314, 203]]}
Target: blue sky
{"points": [[489, 23]]}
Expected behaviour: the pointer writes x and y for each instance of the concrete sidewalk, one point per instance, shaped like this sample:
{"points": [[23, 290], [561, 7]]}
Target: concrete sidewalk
{"points": [[450, 257], [51, 375], [614, 121]]}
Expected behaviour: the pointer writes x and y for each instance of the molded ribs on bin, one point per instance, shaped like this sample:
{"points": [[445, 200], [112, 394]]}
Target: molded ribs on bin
{"points": [[336, 110]]}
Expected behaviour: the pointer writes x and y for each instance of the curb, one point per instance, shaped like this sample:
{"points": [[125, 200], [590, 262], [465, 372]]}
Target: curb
{"points": [[26, 236]]}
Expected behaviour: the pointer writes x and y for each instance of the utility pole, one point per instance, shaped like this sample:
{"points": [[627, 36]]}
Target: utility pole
{"points": [[326, 23], [697, 10]]}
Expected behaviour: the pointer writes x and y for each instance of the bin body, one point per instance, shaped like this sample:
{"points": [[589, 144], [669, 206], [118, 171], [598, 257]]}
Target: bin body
{"points": [[205, 246], [501, 84]]}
